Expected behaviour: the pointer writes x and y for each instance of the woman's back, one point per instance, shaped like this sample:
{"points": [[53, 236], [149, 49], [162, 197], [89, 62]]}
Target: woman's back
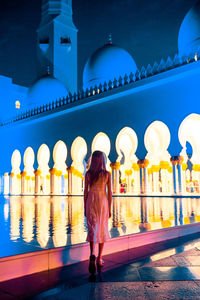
{"points": [[100, 184]]}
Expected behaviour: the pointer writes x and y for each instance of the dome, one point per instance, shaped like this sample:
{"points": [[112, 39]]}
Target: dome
{"points": [[45, 90], [107, 63], [189, 33]]}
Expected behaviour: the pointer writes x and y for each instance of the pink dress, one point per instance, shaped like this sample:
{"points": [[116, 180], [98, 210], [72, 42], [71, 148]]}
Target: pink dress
{"points": [[97, 210]]}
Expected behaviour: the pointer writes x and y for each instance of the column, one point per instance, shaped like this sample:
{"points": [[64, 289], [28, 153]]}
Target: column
{"points": [[180, 186], [66, 183], [115, 177], [37, 181], [164, 165], [70, 179], [143, 164], [174, 160], [23, 182], [184, 168], [136, 178], [12, 192], [196, 177], [52, 180], [128, 174], [155, 174]]}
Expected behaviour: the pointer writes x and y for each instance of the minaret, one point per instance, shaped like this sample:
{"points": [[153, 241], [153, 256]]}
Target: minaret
{"points": [[57, 43]]}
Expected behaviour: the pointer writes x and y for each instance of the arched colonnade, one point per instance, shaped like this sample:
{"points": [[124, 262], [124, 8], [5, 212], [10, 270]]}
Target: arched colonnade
{"points": [[158, 173]]}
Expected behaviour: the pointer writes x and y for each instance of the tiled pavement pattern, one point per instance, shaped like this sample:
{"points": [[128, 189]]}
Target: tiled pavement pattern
{"points": [[169, 274]]}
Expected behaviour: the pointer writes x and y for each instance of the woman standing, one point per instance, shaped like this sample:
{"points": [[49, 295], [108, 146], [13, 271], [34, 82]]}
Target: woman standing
{"points": [[97, 203]]}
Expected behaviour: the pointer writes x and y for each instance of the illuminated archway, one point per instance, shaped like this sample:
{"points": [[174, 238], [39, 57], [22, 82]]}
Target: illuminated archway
{"points": [[28, 174], [157, 139], [126, 146], [189, 132], [59, 157], [101, 142], [43, 157], [78, 153], [15, 177]]}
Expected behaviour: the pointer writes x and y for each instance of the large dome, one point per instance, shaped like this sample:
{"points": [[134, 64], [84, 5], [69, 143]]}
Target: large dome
{"points": [[189, 33], [107, 63], [45, 90]]}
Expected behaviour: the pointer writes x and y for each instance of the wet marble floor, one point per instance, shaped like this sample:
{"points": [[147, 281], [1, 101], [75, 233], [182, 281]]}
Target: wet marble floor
{"points": [[170, 270]]}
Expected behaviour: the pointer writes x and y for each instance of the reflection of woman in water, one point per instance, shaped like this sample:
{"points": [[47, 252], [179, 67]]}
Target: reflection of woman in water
{"points": [[97, 206]]}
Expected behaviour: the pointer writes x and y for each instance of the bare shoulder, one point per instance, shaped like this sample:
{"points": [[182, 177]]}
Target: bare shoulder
{"points": [[108, 174]]}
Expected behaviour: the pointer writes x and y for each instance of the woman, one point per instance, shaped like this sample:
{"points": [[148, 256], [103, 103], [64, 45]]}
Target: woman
{"points": [[97, 205]]}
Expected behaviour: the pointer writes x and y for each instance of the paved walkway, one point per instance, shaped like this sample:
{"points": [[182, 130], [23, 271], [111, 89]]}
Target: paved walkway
{"points": [[170, 274]]}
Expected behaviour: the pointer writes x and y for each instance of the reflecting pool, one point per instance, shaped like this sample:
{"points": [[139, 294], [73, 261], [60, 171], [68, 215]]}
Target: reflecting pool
{"points": [[32, 223]]}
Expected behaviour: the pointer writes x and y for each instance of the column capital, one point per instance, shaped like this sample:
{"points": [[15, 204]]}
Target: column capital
{"points": [[115, 165], [37, 172], [174, 160], [180, 159], [128, 172], [164, 165], [23, 173], [70, 169], [143, 163], [52, 171], [196, 168], [155, 168]]}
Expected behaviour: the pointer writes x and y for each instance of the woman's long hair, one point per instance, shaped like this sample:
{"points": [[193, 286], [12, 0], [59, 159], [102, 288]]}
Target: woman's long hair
{"points": [[97, 166]]}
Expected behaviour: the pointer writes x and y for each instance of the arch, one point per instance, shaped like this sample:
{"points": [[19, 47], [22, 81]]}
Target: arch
{"points": [[28, 184], [126, 145], [60, 155], [189, 131], [78, 153], [157, 139], [29, 158], [16, 161], [101, 142], [43, 157], [15, 181]]}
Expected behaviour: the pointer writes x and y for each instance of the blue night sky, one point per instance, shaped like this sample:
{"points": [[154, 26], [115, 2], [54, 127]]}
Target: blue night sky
{"points": [[147, 29]]}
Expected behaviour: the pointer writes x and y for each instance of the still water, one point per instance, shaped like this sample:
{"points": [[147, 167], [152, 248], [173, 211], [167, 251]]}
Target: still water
{"points": [[34, 223]]}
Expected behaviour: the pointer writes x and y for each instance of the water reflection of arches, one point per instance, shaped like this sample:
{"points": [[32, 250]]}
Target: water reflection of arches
{"points": [[28, 217], [101, 142], [15, 177], [42, 220], [126, 146], [15, 217], [157, 140], [43, 157], [189, 132], [60, 179], [78, 153], [59, 220], [28, 177]]}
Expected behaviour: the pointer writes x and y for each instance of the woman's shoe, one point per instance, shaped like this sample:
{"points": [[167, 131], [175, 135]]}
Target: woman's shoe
{"points": [[92, 264], [100, 262]]}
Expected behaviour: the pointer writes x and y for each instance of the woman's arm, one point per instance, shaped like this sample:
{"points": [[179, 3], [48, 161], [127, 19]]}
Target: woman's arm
{"points": [[109, 191], [85, 192]]}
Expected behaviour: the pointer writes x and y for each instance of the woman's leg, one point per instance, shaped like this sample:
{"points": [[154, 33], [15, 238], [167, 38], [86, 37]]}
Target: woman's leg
{"points": [[91, 248], [100, 250]]}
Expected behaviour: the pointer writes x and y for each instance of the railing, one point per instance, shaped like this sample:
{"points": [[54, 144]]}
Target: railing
{"points": [[149, 71]]}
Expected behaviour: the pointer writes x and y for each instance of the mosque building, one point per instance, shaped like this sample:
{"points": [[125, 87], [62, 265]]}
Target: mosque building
{"points": [[146, 121]]}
